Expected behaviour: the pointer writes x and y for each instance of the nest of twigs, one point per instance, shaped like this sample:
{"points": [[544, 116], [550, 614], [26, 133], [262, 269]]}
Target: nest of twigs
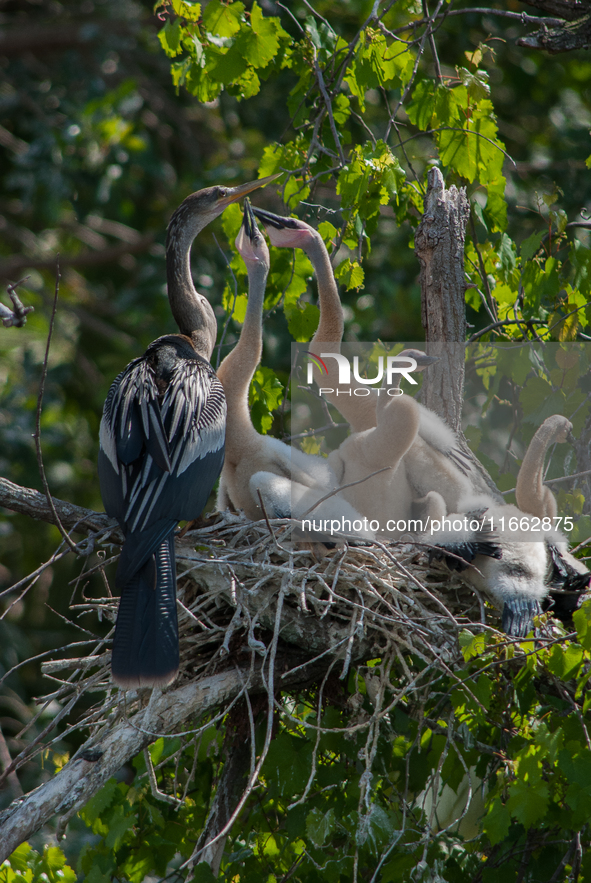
{"points": [[351, 602]]}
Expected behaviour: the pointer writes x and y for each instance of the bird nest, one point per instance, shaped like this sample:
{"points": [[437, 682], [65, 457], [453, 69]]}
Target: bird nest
{"points": [[346, 605]]}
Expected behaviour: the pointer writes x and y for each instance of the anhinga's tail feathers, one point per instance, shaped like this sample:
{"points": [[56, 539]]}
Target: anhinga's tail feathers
{"points": [[138, 549], [146, 643]]}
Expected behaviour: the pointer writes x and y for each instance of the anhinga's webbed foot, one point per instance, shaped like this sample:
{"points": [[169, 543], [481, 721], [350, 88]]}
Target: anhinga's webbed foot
{"points": [[518, 616]]}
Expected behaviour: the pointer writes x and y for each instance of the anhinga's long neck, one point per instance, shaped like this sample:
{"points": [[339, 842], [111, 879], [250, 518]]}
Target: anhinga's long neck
{"points": [[237, 369], [185, 303], [332, 325], [359, 412], [530, 481]]}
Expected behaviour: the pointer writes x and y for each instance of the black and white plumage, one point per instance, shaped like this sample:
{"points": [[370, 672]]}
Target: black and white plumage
{"points": [[162, 449]]}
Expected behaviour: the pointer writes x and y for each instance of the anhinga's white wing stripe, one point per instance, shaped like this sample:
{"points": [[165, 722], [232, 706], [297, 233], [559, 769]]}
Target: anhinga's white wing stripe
{"points": [[133, 388], [186, 425], [198, 416]]}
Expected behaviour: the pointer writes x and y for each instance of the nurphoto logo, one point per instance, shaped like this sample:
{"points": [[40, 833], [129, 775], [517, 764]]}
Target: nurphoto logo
{"points": [[403, 365]]}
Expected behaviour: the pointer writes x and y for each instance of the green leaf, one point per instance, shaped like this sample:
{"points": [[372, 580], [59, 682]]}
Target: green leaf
{"points": [[422, 107], [507, 258], [223, 19], [530, 246], [100, 802], [20, 859], [302, 322], [497, 822], [266, 394], [119, 823], [475, 82], [350, 273], [203, 874], [95, 875], [496, 204], [319, 825], [226, 66], [53, 858], [170, 37], [328, 231], [259, 44], [189, 10], [527, 803], [582, 621]]}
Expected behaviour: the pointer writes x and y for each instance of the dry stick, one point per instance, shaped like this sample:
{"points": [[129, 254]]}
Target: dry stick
{"points": [[73, 786], [483, 274], [37, 433], [328, 105], [558, 481], [312, 775], [494, 325], [432, 44], [310, 432]]}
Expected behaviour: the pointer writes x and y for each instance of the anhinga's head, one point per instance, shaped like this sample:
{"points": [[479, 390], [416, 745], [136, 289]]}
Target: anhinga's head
{"points": [[192, 311], [559, 429], [286, 232], [250, 242], [422, 359], [200, 208]]}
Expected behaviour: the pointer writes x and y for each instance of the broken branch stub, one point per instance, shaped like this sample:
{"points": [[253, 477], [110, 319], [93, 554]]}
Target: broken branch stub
{"points": [[439, 246]]}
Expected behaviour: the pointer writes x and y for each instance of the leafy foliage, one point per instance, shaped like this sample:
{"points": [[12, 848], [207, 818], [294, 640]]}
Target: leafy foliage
{"points": [[27, 866]]}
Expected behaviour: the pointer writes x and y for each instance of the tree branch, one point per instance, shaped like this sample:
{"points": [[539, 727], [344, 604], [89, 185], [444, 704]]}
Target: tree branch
{"points": [[70, 789], [27, 501]]}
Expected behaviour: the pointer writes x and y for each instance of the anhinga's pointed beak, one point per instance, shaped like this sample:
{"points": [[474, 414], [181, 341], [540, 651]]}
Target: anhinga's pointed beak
{"points": [[423, 360], [241, 190], [276, 221], [249, 221]]}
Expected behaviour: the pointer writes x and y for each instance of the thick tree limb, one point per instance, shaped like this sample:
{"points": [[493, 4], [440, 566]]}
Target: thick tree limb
{"points": [[29, 502], [439, 246], [574, 33], [70, 789], [570, 10]]}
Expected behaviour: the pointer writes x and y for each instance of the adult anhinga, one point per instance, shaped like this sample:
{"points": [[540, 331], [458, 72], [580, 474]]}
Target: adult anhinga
{"points": [[289, 481], [434, 462], [161, 450]]}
